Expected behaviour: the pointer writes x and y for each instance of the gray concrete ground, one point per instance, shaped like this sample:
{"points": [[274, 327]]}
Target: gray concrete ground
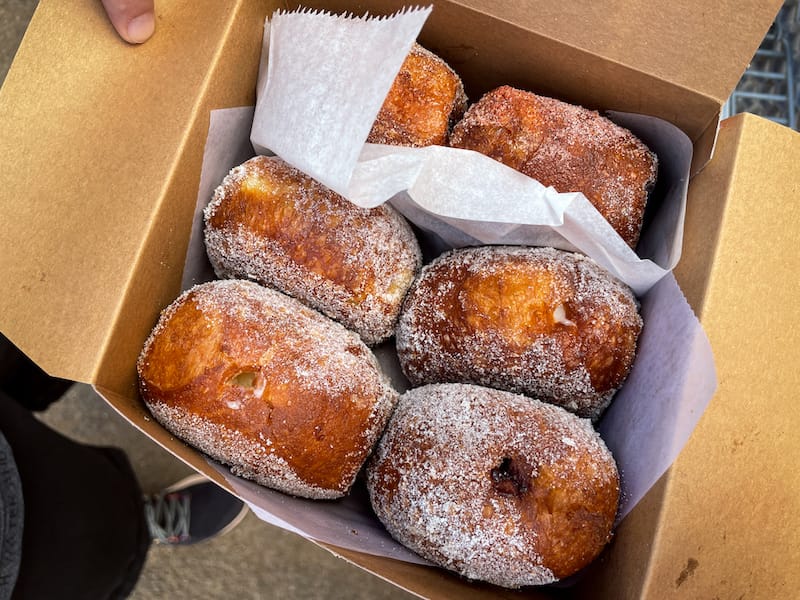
{"points": [[255, 560]]}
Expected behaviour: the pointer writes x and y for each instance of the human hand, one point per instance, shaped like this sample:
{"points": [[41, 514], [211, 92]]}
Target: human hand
{"points": [[134, 20]]}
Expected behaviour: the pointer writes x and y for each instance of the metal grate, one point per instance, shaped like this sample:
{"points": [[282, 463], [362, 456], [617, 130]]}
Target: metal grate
{"points": [[769, 86]]}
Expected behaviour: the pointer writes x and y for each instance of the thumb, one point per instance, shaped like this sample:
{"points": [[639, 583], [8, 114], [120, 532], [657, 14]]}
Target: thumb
{"points": [[134, 20]]}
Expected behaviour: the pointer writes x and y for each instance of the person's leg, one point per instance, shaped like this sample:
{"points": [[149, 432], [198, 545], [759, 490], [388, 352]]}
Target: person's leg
{"points": [[84, 534], [86, 526], [22, 379], [11, 515]]}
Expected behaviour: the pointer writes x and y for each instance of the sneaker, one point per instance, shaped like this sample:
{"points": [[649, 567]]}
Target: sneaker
{"points": [[192, 510]]}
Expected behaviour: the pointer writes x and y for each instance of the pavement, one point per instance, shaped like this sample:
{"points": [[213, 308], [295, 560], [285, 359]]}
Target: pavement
{"points": [[255, 560]]}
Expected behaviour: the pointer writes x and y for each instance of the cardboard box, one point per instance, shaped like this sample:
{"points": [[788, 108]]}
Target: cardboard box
{"points": [[101, 145]]}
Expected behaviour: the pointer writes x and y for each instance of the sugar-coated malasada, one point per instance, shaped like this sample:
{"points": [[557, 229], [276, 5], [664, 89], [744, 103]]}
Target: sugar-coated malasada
{"points": [[538, 321], [425, 100], [271, 223], [493, 485], [260, 382]]}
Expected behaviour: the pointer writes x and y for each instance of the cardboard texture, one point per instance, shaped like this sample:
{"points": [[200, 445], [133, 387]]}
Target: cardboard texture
{"points": [[745, 446], [102, 146], [725, 516], [676, 60]]}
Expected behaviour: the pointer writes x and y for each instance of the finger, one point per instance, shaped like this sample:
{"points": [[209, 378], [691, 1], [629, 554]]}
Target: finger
{"points": [[134, 20]]}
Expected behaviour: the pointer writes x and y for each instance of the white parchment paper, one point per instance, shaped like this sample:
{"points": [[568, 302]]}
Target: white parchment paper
{"points": [[316, 105], [332, 73], [651, 417]]}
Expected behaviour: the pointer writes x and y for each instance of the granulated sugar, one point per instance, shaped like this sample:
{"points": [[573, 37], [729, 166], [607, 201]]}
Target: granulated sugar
{"points": [[567, 147], [270, 223], [426, 98], [246, 458], [435, 482], [538, 321], [263, 383]]}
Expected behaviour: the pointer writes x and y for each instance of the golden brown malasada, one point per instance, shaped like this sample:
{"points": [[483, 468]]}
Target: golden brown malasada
{"points": [[426, 98], [260, 382], [271, 223], [538, 321], [567, 147], [493, 485]]}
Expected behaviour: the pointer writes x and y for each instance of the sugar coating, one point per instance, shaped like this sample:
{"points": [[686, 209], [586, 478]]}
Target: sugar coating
{"points": [[425, 100], [247, 459], [565, 146], [430, 482], [311, 406], [562, 329], [272, 224]]}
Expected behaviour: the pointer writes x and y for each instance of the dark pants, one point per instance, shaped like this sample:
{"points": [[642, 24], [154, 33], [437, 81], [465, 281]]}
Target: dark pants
{"points": [[84, 532]]}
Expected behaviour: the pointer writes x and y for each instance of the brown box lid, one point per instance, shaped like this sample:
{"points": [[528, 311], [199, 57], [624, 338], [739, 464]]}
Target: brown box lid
{"points": [[723, 521], [729, 522], [101, 145]]}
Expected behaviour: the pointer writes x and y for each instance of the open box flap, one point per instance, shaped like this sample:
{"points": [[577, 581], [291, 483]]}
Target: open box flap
{"points": [[721, 498], [94, 135], [745, 445], [703, 46]]}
